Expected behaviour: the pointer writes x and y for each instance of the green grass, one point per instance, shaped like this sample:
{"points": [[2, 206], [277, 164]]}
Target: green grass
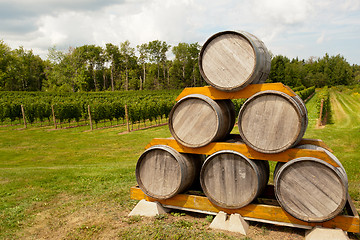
{"points": [[342, 135], [39, 165], [74, 183]]}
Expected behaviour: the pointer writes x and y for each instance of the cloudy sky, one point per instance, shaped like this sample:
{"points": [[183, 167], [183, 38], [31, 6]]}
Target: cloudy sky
{"points": [[293, 28]]}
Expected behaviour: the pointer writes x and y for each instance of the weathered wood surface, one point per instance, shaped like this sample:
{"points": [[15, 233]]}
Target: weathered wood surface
{"points": [[271, 121], [246, 92], [231, 180], [248, 152], [310, 146], [310, 189], [197, 120], [231, 60], [162, 172], [253, 211]]}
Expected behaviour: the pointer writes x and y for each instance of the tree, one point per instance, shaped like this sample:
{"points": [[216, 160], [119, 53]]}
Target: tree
{"points": [[181, 52], [112, 53], [277, 72], [157, 55], [25, 72], [92, 56], [5, 59], [66, 71], [128, 53], [194, 51], [144, 56]]}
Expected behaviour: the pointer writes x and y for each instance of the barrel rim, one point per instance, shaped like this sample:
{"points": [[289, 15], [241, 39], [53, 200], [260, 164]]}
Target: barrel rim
{"points": [[205, 189], [167, 149], [211, 103], [332, 156], [297, 136], [252, 44], [297, 215]]}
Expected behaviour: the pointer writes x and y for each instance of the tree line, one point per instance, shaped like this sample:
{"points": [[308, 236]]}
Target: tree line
{"points": [[147, 66]]}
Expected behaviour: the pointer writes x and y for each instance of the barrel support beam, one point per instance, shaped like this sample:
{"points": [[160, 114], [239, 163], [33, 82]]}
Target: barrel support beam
{"points": [[248, 152], [246, 92], [255, 212]]}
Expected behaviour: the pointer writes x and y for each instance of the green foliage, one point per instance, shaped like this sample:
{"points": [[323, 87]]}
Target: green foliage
{"points": [[299, 88], [209, 218], [238, 103], [324, 95], [178, 214], [305, 93], [318, 72], [76, 182], [119, 67], [142, 105]]}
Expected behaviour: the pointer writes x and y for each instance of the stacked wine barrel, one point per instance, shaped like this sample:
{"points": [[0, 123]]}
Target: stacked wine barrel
{"points": [[268, 122]]}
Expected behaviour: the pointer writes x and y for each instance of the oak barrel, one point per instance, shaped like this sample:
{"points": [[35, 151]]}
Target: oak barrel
{"points": [[310, 189], [231, 60], [196, 120], [314, 147], [231, 180], [162, 172], [272, 121]]}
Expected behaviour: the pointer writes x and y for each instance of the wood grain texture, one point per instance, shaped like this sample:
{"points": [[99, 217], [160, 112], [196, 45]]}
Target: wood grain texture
{"points": [[253, 211], [162, 172], [231, 60], [310, 189], [330, 154], [271, 121], [197, 120], [231, 180]]}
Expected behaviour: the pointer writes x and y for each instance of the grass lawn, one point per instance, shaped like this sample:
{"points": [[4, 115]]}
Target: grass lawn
{"points": [[74, 184]]}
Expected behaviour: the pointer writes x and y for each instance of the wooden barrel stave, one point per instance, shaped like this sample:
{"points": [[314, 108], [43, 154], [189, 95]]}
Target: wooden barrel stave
{"points": [[231, 180], [231, 60], [162, 172], [272, 121], [196, 120], [310, 189]]}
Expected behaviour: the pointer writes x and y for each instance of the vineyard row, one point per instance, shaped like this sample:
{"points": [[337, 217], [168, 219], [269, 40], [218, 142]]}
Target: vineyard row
{"points": [[142, 105]]}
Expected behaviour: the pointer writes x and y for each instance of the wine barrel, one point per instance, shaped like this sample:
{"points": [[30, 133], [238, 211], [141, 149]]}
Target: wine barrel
{"points": [[230, 180], [196, 120], [314, 147], [310, 189], [231, 60], [272, 121], [162, 172]]}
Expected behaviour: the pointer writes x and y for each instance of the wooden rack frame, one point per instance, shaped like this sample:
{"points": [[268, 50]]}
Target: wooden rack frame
{"points": [[246, 92], [261, 212], [253, 212], [268, 213], [234, 143]]}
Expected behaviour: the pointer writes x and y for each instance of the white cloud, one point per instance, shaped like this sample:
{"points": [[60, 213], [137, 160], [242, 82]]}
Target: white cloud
{"points": [[283, 12], [293, 28], [321, 38]]}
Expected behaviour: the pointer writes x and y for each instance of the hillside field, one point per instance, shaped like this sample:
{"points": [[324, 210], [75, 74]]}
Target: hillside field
{"points": [[74, 183]]}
